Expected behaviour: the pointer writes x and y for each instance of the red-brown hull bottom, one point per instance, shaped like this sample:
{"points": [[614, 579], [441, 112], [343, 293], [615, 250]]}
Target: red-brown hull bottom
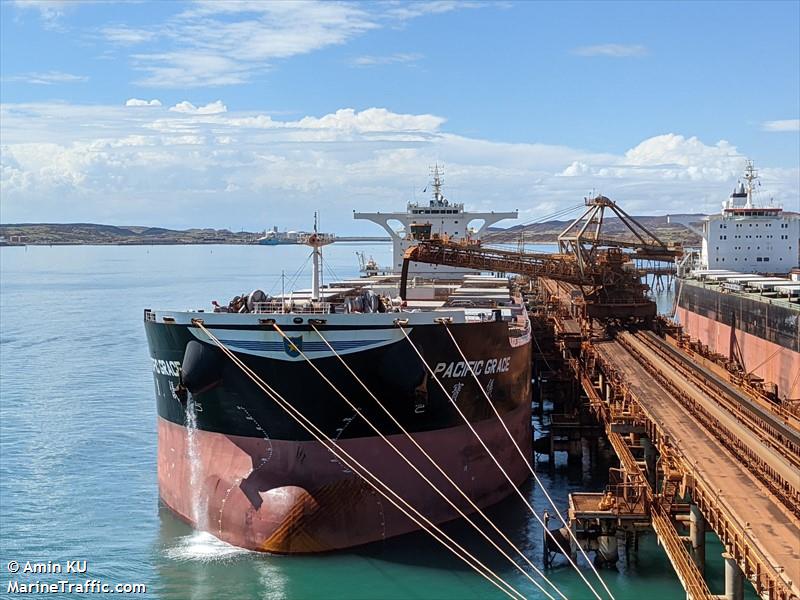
{"points": [[295, 497], [771, 361]]}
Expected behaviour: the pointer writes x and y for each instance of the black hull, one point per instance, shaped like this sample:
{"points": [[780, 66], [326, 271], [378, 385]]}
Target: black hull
{"points": [[231, 403]]}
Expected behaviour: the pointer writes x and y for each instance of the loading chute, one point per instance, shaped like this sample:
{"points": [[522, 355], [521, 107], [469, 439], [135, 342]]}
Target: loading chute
{"points": [[603, 266]]}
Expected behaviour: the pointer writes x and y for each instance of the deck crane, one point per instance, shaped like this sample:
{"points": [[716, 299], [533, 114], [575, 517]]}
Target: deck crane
{"points": [[602, 266]]}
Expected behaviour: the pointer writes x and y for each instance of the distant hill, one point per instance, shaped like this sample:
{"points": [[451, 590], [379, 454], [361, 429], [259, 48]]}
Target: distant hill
{"points": [[548, 231], [92, 233]]}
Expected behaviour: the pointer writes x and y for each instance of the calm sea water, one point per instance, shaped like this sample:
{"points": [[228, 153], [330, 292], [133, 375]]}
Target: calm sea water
{"points": [[78, 444]]}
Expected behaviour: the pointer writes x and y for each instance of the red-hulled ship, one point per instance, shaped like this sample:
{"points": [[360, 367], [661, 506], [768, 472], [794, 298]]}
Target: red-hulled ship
{"points": [[231, 462], [741, 297]]}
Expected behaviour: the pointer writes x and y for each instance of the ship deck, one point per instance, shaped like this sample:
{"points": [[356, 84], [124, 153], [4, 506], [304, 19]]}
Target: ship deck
{"points": [[471, 298], [777, 291]]}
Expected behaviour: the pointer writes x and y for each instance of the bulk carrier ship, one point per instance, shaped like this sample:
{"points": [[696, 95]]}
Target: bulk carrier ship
{"points": [[232, 463], [740, 297]]}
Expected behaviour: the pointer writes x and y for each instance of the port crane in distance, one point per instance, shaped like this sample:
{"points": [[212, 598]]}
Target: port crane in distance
{"points": [[603, 266]]}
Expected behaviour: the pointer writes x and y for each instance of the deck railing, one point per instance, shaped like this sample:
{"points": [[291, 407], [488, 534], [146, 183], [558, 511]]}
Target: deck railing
{"points": [[295, 307]]}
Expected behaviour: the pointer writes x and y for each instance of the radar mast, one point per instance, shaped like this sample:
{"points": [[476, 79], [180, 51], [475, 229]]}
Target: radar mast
{"points": [[316, 240], [438, 182], [750, 175]]}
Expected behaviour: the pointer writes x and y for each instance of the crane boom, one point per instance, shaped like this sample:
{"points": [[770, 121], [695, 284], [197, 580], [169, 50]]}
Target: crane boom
{"points": [[611, 287], [607, 276]]}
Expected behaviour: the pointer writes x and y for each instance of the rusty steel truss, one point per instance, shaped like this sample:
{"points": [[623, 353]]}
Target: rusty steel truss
{"points": [[602, 267], [585, 238]]}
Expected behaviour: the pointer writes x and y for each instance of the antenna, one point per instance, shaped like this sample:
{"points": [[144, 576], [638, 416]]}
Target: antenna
{"points": [[750, 175], [438, 182]]}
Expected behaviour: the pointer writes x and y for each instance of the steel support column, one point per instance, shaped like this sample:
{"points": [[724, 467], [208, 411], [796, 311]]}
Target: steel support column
{"points": [[734, 579], [697, 535]]}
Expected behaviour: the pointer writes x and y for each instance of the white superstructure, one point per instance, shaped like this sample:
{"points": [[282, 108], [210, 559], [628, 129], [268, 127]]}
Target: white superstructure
{"points": [[438, 218], [748, 238]]}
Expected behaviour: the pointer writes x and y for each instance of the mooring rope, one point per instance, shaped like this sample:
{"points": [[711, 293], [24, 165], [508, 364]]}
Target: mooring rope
{"points": [[794, 385], [420, 520], [527, 464], [438, 468], [495, 461]]}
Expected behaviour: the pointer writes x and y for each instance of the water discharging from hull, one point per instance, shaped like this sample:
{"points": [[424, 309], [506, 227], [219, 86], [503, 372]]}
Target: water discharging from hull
{"points": [[195, 467], [203, 547]]}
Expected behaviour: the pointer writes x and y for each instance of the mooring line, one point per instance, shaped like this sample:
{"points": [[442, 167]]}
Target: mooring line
{"points": [[422, 522], [414, 467], [438, 468], [527, 464], [496, 462]]}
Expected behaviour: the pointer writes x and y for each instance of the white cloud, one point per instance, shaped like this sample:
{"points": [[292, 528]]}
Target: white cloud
{"points": [[668, 157], [398, 58], [190, 68], [783, 125], [576, 169], [212, 108], [183, 140], [412, 10], [231, 43], [612, 50], [127, 36], [48, 78], [94, 163], [678, 156], [50, 11], [138, 102], [226, 43], [370, 120]]}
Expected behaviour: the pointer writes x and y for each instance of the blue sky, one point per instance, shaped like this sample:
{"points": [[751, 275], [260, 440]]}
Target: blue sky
{"points": [[266, 111]]}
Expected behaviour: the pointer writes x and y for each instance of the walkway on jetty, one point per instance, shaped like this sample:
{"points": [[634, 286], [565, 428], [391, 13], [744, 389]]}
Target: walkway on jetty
{"points": [[772, 533], [697, 451]]}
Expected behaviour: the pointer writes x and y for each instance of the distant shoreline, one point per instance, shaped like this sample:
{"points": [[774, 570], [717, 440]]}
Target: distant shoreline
{"points": [[91, 243], [77, 234], [178, 243], [40, 244], [84, 234]]}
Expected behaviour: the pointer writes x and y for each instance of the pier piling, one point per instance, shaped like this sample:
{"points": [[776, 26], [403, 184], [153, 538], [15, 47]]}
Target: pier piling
{"points": [[697, 535], [734, 578]]}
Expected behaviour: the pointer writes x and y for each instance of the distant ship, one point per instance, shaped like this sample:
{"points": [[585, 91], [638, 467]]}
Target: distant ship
{"points": [[369, 266], [231, 462], [274, 237], [740, 296]]}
